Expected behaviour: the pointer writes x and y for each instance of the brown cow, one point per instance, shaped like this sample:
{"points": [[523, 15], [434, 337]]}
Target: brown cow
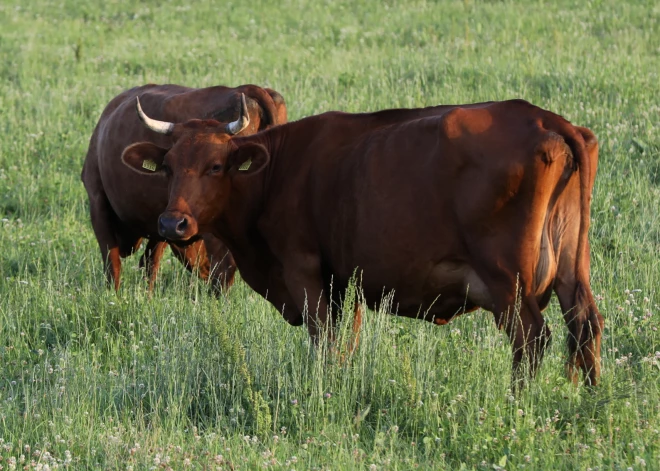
{"points": [[125, 205], [484, 205]]}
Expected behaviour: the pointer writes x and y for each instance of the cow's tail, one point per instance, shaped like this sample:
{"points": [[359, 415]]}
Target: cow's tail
{"points": [[587, 324], [576, 142]]}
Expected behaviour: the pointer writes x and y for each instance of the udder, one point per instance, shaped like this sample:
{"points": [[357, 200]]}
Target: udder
{"points": [[456, 288]]}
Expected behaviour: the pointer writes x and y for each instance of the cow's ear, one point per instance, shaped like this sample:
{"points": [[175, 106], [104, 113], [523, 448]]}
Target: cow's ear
{"points": [[144, 157], [248, 159]]}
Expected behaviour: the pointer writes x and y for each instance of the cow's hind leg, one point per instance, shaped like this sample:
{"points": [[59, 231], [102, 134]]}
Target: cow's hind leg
{"points": [[104, 222], [521, 318], [222, 267], [209, 258], [585, 325], [353, 340], [193, 257], [358, 312], [210, 264]]}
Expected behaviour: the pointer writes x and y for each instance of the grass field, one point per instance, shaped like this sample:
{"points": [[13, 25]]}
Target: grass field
{"points": [[94, 380]]}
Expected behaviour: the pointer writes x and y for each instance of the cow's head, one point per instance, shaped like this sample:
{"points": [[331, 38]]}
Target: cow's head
{"points": [[201, 167]]}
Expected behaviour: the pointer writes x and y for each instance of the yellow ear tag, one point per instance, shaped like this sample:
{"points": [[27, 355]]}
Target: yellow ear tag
{"points": [[149, 165], [246, 165]]}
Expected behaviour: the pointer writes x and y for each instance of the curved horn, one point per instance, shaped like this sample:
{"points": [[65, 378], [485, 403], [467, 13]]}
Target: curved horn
{"points": [[162, 127], [243, 119]]}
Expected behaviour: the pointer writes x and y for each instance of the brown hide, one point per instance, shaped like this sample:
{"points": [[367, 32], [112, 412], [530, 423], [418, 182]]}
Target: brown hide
{"points": [[483, 205], [125, 205]]}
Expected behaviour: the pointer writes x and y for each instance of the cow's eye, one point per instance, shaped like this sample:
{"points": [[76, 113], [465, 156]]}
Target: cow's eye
{"points": [[216, 168]]}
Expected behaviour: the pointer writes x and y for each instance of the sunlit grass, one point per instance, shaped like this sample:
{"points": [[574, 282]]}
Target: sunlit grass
{"points": [[90, 379]]}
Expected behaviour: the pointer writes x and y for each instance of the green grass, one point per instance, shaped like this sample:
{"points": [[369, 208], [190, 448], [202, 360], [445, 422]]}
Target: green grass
{"points": [[92, 380]]}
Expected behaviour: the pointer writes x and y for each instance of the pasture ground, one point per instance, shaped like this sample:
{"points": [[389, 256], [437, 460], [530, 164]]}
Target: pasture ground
{"points": [[94, 380]]}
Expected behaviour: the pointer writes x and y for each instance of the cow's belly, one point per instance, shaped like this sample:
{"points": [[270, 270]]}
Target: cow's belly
{"points": [[436, 294]]}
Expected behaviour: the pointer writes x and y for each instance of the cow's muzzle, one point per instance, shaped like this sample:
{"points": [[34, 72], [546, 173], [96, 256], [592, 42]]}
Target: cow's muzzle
{"points": [[176, 226]]}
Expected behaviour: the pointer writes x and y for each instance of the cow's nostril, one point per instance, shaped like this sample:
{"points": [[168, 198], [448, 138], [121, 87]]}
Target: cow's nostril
{"points": [[173, 227], [181, 226]]}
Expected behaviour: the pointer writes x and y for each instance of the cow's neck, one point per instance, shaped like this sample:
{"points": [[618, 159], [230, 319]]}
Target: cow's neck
{"points": [[237, 224], [251, 198]]}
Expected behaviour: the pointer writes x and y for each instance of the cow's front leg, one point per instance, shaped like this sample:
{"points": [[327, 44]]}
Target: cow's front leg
{"points": [[305, 284]]}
